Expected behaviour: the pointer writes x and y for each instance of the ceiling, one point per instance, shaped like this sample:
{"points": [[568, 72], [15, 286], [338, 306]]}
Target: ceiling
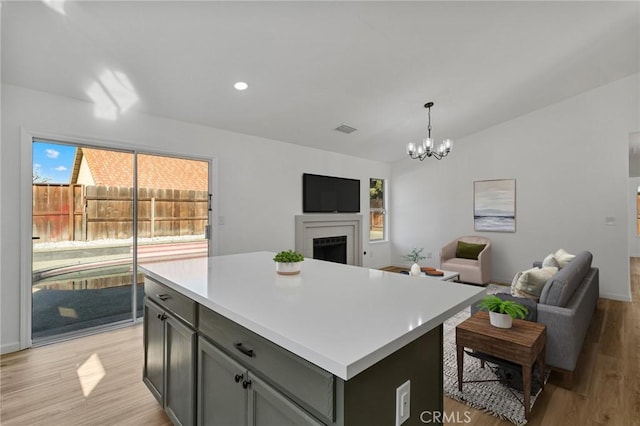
{"points": [[312, 66]]}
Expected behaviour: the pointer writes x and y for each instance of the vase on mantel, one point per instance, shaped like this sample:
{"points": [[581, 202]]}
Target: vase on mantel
{"points": [[415, 270]]}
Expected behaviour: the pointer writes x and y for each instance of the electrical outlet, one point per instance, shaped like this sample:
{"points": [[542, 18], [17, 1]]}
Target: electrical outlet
{"points": [[403, 402], [429, 255]]}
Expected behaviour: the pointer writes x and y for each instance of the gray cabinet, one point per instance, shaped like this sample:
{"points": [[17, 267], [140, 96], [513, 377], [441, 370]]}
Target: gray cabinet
{"points": [[180, 373], [222, 400], [229, 394], [153, 373], [169, 369], [268, 407]]}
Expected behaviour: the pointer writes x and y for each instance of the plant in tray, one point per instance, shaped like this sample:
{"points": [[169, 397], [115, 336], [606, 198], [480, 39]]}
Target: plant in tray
{"points": [[415, 256], [502, 312], [288, 262]]}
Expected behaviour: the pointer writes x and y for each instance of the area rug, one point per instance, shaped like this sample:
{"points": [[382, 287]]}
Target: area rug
{"points": [[492, 397]]}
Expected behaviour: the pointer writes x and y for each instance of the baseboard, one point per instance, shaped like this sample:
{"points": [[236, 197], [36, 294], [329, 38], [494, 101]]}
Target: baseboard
{"points": [[615, 296], [9, 347]]}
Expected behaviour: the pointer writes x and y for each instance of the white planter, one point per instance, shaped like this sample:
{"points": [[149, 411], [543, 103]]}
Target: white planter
{"points": [[499, 320], [415, 270], [288, 268]]}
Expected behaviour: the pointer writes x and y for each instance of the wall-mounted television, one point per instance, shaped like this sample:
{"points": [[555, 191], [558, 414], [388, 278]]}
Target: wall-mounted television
{"points": [[328, 194]]}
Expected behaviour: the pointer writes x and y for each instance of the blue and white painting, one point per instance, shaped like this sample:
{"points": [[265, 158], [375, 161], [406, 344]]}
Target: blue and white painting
{"points": [[494, 205]]}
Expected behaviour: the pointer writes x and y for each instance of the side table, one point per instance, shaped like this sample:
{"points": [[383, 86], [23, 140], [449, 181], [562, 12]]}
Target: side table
{"points": [[523, 344]]}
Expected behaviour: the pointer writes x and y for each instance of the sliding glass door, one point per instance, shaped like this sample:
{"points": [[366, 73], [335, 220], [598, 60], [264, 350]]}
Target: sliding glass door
{"points": [[97, 213], [172, 209]]}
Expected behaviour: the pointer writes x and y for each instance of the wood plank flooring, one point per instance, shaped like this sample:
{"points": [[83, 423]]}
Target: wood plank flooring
{"points": [[97, 380], [94, 380]]}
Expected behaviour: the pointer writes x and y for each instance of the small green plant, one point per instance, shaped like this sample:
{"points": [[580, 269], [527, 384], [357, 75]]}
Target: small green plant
{"points": [[493, 303], [288, 256], [414, 256]]}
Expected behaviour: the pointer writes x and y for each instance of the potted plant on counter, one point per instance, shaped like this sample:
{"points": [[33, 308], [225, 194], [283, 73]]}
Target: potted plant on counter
{"points": [[502, 312], [288, 262]]}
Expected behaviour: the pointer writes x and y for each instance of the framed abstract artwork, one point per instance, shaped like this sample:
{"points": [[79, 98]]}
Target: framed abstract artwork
{"points": [[494, 205]]}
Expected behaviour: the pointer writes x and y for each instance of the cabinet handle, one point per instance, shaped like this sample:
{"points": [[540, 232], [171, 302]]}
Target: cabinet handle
{"points": [[246, 384], [247, 352], [163, 297], [238, 377], [162, 317]]}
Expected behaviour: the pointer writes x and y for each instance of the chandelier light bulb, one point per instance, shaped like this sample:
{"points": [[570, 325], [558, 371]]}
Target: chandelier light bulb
{"points": [[428, 144], [411, 148]]}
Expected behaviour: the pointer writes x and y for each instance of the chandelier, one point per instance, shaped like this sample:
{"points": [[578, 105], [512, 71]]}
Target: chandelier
{"points": [[427, 148]]}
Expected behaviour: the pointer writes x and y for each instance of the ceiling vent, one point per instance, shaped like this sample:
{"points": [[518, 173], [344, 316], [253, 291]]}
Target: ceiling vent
{"points": [[345, 129]]}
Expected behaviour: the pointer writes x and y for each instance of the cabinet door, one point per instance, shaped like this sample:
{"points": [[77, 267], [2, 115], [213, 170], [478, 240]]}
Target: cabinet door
{"points": [[268, 407], [222, 400], [153, 373], [180, 346]]}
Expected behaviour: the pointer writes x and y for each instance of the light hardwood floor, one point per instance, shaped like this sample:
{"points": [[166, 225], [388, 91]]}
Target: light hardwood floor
{"points": [[94, 380], [97, 380]]}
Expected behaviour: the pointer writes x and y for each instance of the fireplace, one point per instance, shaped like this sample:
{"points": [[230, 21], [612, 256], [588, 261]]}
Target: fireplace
{"points": [[332, 249], [336, 235]]}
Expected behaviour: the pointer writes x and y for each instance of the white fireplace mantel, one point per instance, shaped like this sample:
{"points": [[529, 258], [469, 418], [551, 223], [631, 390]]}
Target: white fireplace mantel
{"points": [[310, 226]]}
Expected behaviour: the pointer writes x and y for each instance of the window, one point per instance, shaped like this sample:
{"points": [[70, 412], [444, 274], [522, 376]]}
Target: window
{"points": [[376, 210]]}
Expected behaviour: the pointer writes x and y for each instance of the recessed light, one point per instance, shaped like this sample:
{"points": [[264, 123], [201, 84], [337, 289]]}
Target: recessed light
{"points": [[241, 85]]}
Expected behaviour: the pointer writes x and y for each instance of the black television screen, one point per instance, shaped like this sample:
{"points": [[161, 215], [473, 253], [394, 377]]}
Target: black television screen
{"points": [[327, 194]]}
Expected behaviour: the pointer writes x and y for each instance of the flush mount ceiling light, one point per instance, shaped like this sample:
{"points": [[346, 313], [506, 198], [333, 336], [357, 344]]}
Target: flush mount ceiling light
{"points": [[426, 148], [241, 85]]}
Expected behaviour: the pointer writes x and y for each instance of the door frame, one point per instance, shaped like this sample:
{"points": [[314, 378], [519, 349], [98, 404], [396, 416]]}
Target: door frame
{"points": [[26, 208]]}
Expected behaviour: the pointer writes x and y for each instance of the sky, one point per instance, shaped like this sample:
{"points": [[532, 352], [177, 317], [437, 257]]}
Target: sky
{"points": [[53, 162]]}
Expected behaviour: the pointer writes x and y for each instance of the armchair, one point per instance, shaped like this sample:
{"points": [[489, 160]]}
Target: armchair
{"points": [[476, 271]]}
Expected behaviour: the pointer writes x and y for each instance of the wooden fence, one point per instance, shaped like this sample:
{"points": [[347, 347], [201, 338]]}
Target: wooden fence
{"points": [[87, 213]]}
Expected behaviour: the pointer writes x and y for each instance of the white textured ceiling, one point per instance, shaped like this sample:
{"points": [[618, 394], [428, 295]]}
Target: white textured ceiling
{"points": [[312, 66]]}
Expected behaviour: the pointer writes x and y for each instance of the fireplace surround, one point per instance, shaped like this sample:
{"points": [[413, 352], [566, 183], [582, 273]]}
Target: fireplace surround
{"points": [[317, 226]]}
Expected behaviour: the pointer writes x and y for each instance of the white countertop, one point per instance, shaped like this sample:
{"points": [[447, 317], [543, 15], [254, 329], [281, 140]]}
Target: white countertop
{"points": [[341, 318]]}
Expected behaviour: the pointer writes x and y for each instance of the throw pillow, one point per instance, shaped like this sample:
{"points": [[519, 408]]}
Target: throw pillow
{"points": [[550, 262], [532, 281], [514, 282], [469, 250], [563, 257]]}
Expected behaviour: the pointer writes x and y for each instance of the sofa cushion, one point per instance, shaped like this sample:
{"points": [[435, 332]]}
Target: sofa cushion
{"points": [[560, 288], [550, 261], [469, 250], [563, 258], [531, 282], [516, 277]]}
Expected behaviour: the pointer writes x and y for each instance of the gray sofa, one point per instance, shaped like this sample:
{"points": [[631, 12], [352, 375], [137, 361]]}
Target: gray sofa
{"points": [[566, 306]]}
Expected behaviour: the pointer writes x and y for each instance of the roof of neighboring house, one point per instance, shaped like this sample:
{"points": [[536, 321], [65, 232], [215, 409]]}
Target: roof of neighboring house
{"points": [[114, 168]]}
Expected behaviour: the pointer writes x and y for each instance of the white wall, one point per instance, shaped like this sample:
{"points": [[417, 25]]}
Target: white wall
{"points": [[259, 186], [570, 162], [634, 238]]}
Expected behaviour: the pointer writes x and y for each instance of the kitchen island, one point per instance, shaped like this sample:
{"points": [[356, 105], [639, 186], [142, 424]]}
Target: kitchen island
{"points": [[229, 341]]}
